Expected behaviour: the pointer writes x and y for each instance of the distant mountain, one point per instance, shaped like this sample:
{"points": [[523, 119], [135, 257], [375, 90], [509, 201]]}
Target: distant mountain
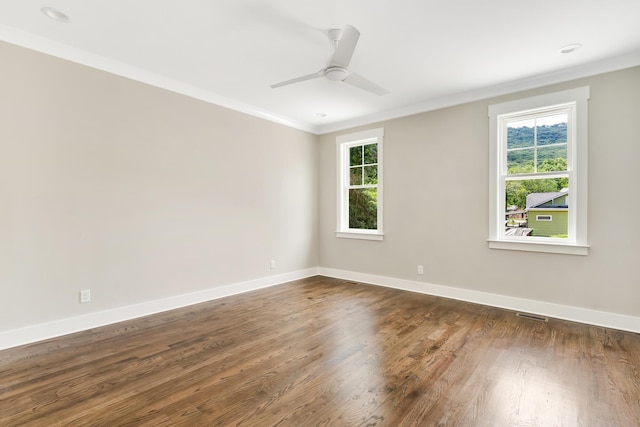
{"points": [[524, 137]]}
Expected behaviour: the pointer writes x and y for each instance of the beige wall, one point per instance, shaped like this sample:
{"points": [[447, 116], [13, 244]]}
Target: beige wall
{"points": [[138, 193], [436, 206]]}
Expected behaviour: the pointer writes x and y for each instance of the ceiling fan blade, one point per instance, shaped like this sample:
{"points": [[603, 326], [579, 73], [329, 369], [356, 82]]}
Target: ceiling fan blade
{"points": [[299, 79], [345, 48], [358, 81]]}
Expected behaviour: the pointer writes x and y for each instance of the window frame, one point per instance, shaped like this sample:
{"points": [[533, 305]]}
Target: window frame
{"points": [[575, 101], [343, 144]]}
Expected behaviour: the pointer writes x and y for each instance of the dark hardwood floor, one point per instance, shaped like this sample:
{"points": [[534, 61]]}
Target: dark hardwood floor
{"points": [[325, 352]]}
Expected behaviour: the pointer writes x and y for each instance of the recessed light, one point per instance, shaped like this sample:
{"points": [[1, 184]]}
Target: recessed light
{"points": [[55, 14], [321, 115], [570, 48]]}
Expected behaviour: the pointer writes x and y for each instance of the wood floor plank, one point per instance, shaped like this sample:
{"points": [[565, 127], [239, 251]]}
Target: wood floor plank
{"points": [[326, 352]]}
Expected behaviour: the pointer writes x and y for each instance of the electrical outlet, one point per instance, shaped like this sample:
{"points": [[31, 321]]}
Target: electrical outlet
{"points": [[420, 269], [273, 264], [85, 296]]}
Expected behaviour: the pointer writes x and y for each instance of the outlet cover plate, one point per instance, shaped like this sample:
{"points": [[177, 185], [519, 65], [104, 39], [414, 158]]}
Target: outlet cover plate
{"points": [[85, 296]]}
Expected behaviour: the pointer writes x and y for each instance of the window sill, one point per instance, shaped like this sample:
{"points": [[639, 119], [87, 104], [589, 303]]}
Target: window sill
{"points": [[553, 248], [360, 235]]}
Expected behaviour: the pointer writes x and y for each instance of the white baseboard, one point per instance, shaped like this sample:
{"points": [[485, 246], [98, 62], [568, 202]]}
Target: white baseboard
{"points": [[574, 314], [30, 334], [39, 332]]}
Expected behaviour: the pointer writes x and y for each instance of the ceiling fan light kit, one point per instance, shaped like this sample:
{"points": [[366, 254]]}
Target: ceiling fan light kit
{"points": [[345, 42], [335, 35]]}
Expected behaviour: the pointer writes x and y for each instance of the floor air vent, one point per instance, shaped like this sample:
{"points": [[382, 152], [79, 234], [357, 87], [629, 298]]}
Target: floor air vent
{"points": [[533, 317]]}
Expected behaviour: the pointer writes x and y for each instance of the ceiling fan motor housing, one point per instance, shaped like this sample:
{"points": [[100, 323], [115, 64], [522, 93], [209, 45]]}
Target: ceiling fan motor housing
{"points": [[336, 74], [337, 70]]}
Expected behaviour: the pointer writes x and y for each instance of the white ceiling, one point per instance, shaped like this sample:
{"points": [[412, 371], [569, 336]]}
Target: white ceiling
{"points": [[426, 53]]}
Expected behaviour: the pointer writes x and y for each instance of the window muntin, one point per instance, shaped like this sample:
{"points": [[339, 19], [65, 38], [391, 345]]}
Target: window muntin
{"points": [[534, 149], [539, 147], [537, 144], [363, 186], [360, 185]]}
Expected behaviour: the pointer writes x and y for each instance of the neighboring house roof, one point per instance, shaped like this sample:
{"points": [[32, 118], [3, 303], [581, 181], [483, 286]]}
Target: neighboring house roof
{"points": [[537, 199], [513, 210]]}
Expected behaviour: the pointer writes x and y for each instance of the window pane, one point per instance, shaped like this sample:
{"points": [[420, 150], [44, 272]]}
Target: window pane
{"points": [[355, 176], [552, 129], [530, 203], [551, 159], [355, 155], [370, 154], [371, 174], [520, 161], [517, 192], [363, 208], [520, 134]]}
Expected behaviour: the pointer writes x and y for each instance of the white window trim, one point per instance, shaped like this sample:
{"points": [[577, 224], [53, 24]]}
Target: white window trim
{"points": [[576, 164], [342, 142]]}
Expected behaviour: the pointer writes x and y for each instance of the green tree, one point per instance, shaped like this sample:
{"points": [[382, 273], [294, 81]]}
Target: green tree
{"points": [[551, 165], [517, 191], [363, 208]]}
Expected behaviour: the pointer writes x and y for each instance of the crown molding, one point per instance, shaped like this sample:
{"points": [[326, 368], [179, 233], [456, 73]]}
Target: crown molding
{"points": [[60, 50], [82, 57], [587, 70]]}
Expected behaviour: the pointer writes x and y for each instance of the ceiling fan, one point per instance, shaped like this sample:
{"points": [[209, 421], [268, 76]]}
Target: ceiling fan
{"points": [[345, 42]]}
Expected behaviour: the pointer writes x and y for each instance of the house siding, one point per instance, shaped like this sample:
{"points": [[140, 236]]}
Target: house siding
{"points": [[559, 223]]}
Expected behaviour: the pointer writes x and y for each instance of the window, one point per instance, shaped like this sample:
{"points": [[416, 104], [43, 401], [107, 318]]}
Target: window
{"points": [[538, 173], [360, 185]]}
